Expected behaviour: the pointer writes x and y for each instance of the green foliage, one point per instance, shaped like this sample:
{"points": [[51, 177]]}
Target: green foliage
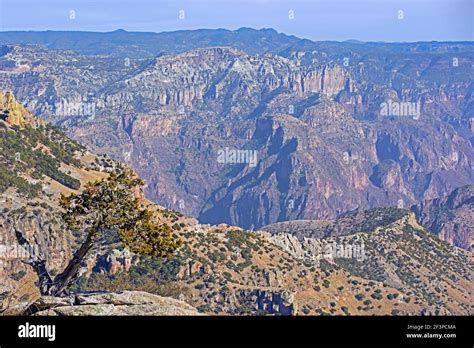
{"points": [[392, 296], [204, 308], [376, 295], [160, 270], [216, 256], [41, 151], [345, 310], [9, 178], [46, 165], [368, 268], [18, 275], [112, 204], [238, 239], [241, 240], [380, 217]]}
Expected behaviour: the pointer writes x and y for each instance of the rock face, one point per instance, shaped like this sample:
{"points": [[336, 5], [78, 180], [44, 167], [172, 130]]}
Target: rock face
{"points": [[111, 304], [451, 218], [47, 236], [305, 136], [281, 303], [116, 261], [14, 113], [316, 140]]}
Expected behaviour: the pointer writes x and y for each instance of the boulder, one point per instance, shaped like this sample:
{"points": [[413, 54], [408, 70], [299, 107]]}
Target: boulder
{"points": [[110, 303]]}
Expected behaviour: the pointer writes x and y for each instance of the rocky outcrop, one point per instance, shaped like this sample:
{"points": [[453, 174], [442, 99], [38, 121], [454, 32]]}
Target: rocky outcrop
{"points": [[46, 235], [451, 217], [116, 261], [345, 224], [270, 302], [37, 164], [14, 113], [110, 304]]}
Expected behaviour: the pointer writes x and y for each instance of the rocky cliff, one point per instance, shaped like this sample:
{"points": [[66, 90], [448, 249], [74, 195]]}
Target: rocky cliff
{"points": [[136, 303], [451, 217], [315, 131], [110, 304]]}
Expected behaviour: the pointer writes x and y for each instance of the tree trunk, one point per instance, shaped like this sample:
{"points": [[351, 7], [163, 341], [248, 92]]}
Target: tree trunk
{"points": [[64, 280], [60, 284]]}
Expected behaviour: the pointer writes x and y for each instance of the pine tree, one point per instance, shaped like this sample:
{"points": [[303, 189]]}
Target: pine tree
{"points": [[111, 204]]}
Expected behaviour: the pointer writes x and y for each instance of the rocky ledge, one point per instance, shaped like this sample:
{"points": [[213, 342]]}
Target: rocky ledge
{"points": [[107, 303]]}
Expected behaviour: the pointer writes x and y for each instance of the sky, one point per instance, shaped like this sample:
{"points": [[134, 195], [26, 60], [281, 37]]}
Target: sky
{"points": [[366, 20]]}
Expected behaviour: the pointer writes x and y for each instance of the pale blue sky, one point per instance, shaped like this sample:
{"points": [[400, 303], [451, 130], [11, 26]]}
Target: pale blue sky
{"points": [[369, 20]]}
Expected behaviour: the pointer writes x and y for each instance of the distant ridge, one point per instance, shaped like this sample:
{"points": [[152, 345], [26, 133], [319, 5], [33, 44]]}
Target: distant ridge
{"points": [[150, 44]]}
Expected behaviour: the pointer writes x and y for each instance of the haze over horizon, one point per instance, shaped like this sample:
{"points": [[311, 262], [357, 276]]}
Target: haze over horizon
{"points": [[340, 20]]}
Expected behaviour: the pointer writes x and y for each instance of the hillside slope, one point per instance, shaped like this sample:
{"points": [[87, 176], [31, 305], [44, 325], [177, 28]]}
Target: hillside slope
{"points": [[396, 251], [37, 163]]}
